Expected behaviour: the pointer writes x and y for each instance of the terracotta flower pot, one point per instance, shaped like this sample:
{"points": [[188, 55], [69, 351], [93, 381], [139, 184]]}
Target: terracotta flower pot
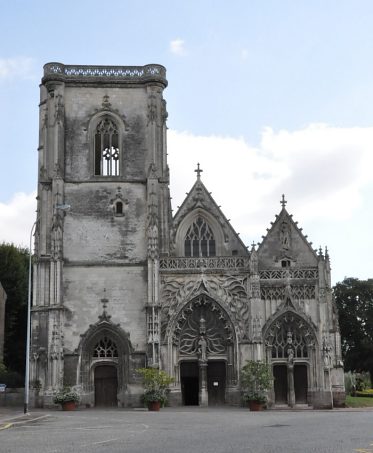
{"points": [[255, 405], [69, 406], [154, 406]]}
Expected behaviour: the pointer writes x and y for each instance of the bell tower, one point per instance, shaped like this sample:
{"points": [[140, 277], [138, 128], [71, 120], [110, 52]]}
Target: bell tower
{"points": [[102, 152]]}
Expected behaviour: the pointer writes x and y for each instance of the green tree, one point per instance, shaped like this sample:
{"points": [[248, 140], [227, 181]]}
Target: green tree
{"points": [[354, 299], [14, 278]]}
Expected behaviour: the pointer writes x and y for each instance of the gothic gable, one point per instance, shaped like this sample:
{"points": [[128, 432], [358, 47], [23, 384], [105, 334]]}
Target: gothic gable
{"points": [[200, 204], [285, 245]]}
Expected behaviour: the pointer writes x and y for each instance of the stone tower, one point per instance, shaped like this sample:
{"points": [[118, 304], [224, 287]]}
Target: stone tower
{"points": [[103, 152]]}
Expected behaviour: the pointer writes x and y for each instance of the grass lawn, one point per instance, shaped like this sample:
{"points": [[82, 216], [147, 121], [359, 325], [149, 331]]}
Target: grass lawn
{"points": [[358, 401]]}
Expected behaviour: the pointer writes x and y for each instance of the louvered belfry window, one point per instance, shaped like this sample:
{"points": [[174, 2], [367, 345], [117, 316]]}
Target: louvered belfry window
{"points": [[107, 148], [199, 239]]}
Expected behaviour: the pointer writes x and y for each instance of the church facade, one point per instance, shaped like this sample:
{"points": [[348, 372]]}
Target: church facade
{"points": [[120, 283]]}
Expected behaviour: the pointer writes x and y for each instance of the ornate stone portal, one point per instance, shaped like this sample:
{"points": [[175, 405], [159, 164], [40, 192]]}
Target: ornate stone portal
{"points": [[203, 333]]}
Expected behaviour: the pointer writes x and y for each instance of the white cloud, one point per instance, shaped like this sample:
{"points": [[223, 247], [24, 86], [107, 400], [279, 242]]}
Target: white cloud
{"points": [[324, 171], [17, 217], [321, 169], [21, 67], [177, 47], [244, 54]]}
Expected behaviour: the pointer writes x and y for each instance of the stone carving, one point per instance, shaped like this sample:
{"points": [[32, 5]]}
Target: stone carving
{"points": [[256, 328], [276, 274], [229, 262], [115, 72], [152, 108], [105, 102], [202, 328], [199, 198], [289, 336], [297, 292], [152, 225], [326, 352], [229, 291], [59, 112], [285, 236]]}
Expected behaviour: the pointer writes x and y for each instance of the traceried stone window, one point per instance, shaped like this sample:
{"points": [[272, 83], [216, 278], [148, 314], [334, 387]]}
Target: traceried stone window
{"points": [[107, 151], [105, 348], [199, 239], [289, 337]]}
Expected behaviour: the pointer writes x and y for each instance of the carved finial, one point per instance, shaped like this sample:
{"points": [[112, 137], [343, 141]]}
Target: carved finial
{"points": [[253, 246], [326, 252], [320, 251], [198, 171], [105, 102], [104, 302], [283, 201]]}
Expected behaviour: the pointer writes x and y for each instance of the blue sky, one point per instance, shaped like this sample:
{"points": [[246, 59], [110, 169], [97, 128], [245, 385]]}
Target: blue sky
{"points": [[271, 97]]}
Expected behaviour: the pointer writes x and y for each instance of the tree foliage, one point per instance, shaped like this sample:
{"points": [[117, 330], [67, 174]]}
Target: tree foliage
{"points": [[14, 278], [354, 299]]}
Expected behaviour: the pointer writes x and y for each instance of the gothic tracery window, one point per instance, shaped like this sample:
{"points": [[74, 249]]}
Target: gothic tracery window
{"points": [[105, 348], [107, 151], [199, 239], [289, 336]]}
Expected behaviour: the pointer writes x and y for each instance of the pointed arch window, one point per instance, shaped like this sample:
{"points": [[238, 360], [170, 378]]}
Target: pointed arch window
{"points": [[105, 348], [199, 239], [107, 152], [290, 337]]}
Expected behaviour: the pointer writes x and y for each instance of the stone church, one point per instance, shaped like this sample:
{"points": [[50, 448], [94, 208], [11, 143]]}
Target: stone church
{"points": [[120, 283]]}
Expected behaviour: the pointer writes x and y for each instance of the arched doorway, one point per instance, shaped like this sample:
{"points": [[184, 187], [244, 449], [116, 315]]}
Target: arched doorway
{"points": [[280, 376], [106, 386], [203, 336], [290, 343], [300, 383], [104, 363]]}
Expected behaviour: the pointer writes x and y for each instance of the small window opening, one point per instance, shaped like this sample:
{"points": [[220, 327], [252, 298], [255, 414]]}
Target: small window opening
{"points": [[234, 252], [285, 263], [119, 208]]}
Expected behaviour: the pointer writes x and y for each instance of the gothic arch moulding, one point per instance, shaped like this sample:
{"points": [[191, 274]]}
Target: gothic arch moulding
{"points": [[186, 223], [229, 293], [288, 335], [104, 343], [108, 123]]}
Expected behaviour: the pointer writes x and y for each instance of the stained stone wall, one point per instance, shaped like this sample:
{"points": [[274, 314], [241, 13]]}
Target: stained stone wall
{"points": [[115, 267]]}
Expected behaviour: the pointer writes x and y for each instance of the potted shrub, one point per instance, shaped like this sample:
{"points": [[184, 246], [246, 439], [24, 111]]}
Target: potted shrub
{"points": [[256, 380], [67, 398], [156, 385]]}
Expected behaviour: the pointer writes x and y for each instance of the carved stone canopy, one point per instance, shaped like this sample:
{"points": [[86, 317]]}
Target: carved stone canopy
{"points": [[290, 336], [202, 329]]}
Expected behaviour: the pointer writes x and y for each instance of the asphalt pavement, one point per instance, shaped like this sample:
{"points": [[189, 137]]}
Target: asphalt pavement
{"points": [[186, 429]]}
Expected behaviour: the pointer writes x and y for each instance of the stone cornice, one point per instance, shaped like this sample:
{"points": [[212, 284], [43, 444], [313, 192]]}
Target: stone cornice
{"points": [[151, 73]]}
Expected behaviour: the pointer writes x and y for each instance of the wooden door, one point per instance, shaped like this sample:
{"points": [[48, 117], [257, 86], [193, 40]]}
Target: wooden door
{"points": [[106, 386], [216, 382], [300, 384], [189, 378], [280, 374]]}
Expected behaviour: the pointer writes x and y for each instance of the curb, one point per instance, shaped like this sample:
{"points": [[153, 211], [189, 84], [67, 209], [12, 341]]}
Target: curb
{"points": [[8, 423]]}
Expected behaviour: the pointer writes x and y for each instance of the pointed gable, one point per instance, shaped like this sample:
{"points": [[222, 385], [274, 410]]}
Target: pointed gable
{"points": [[285, 244], [199, 204]]}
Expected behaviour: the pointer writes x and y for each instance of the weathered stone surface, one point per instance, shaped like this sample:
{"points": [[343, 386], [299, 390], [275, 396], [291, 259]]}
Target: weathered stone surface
{"points": [[119, 284]]}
